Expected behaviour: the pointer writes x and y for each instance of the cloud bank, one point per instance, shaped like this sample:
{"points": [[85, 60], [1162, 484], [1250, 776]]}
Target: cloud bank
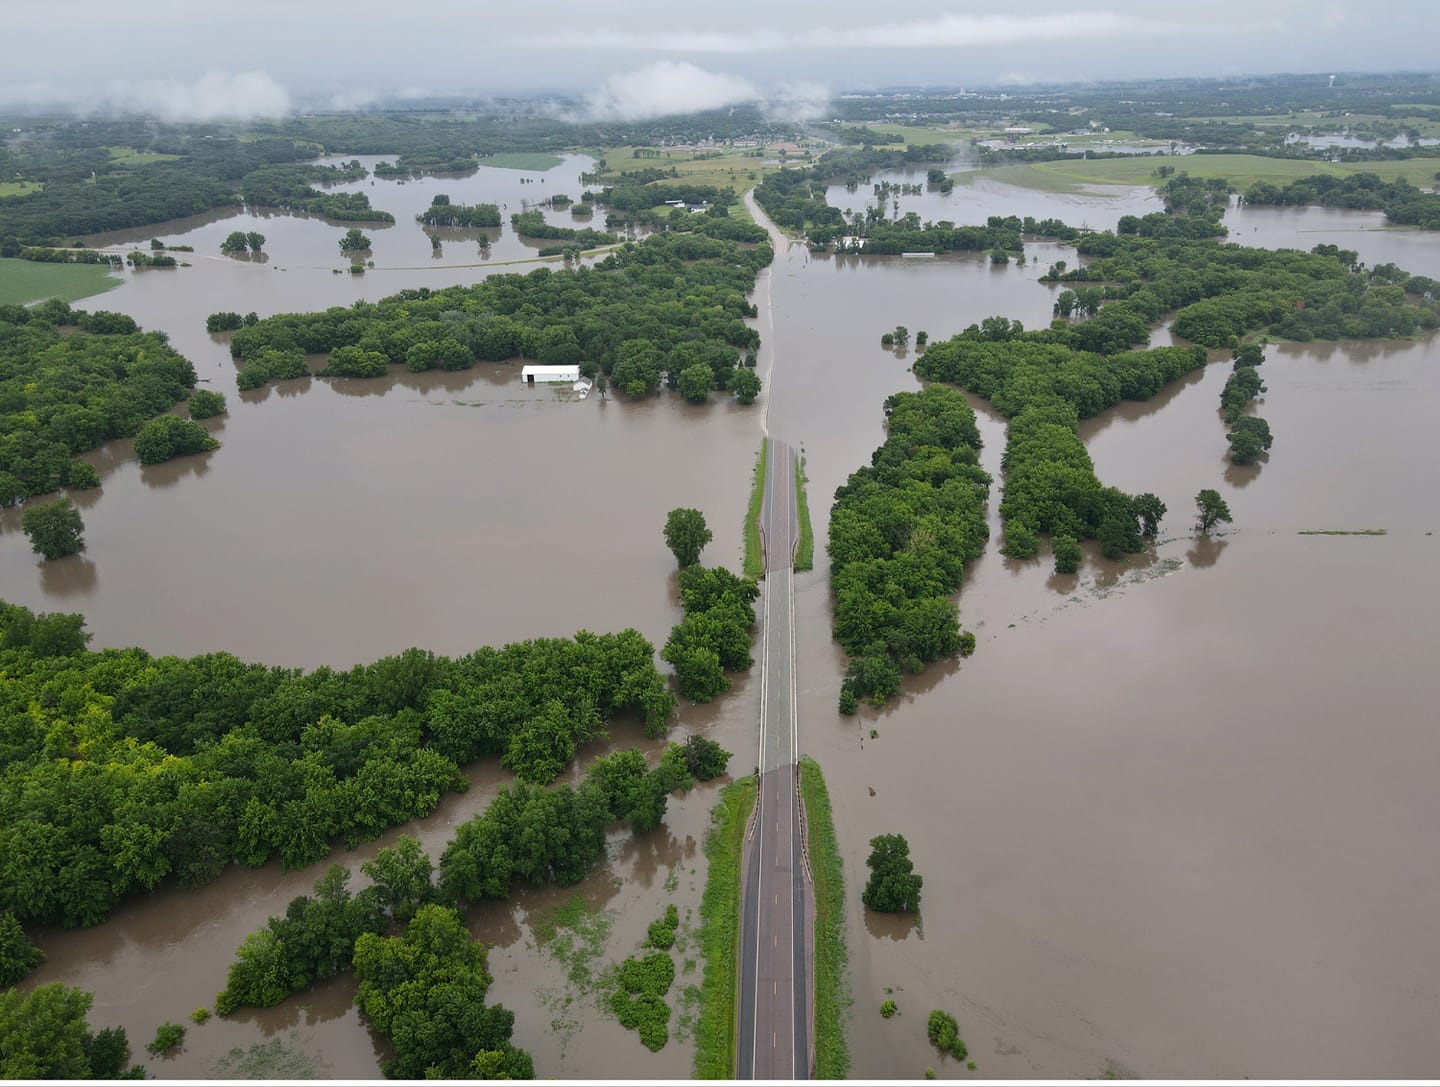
{"points": [[943, 31]]}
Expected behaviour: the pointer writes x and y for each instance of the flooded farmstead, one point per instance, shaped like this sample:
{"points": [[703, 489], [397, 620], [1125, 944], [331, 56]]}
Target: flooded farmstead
{"points": [[1174, 815]]}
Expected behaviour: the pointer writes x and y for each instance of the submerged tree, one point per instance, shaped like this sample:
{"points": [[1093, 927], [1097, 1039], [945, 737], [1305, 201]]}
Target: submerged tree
{"points": [[893, 887], [354, 241], [54, 528], [1212, 510], [686, 534]]}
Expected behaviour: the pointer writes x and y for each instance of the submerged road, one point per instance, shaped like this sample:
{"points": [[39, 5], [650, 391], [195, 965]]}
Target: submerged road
{"points": [[774, 1017]]}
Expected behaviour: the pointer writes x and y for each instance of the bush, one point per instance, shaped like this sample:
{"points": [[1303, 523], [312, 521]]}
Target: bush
{"points": [[168, 1036], [888, 1009], [662, 932], [848, 702], [944, 1034], [200, 1015], [204, 404]]}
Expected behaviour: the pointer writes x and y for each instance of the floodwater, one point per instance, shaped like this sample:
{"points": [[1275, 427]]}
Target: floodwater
{"points": [[1173, 816]]}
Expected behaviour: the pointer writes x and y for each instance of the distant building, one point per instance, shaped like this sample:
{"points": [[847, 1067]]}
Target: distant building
{"points": [[550, 375]]}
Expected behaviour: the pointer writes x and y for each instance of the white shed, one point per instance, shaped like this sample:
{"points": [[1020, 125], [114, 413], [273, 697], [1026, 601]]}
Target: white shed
{"points": [[550, 375]]}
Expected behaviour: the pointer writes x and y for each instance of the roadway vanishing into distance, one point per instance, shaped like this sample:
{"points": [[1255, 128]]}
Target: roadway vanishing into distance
{"points": [[774, 1017]]}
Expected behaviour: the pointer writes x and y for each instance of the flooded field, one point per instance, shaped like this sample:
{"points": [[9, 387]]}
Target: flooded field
{"points": [[1173, 816]]}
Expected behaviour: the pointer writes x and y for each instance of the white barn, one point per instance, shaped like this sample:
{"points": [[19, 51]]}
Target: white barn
{"points": [[550, 375]]}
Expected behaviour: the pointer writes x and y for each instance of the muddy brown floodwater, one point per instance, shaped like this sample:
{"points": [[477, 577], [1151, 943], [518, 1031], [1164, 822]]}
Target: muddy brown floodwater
{"points": [[1174, 817]]}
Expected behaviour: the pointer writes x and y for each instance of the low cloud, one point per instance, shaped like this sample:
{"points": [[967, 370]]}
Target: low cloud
{"points": [[942, 31], [797, 102], [666, 87], [215, 96]]}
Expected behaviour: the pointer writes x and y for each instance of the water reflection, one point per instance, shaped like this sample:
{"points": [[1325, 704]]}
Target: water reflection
{"points": [[1242, 475], [74, 575], [890, 926], [171, 472], [1205, 551]]}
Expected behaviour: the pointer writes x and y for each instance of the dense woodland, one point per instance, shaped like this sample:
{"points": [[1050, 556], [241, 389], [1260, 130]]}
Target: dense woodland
{"points": [[63, 394], [901, 531], [1220, 293], [648, 309], [122, 769]]}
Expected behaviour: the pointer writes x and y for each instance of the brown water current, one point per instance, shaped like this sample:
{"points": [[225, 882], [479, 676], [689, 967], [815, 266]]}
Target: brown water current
{"points": [[1174, 816]]}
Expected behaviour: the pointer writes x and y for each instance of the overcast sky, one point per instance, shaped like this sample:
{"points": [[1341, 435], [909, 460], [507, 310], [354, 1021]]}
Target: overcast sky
{"points": [[185, 58]]}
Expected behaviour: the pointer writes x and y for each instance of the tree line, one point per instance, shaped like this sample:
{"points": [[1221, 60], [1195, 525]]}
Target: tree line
{"points": [[1403, 203], [443, 213], [901, 531], [122, 769], [647, 311], [64, 394]]}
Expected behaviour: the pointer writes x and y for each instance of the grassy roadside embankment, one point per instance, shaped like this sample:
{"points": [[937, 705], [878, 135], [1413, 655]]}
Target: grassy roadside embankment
{"points": [[832, 998], [26, 281], [720, 932], [754, 554], [805, 552]]}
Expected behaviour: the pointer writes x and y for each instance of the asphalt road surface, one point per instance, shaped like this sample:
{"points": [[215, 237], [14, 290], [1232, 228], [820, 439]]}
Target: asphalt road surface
{"points": [[774, 1019]]}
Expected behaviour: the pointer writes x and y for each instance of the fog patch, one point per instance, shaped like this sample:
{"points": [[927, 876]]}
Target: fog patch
{"points": [[664, 88], [215, 96], [798, 102]]}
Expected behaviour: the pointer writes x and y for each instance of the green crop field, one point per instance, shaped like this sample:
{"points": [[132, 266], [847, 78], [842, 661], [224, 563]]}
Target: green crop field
{"points": [[539, 161], [26, 281]]}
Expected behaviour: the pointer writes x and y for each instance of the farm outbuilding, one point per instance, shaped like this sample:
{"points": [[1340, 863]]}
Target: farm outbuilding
{"points": [[550, 375]]}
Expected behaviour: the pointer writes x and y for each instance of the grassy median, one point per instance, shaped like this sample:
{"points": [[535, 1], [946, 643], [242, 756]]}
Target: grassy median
{"points": [[720, 932], [754, 552], [805, 552], [832, 997]]}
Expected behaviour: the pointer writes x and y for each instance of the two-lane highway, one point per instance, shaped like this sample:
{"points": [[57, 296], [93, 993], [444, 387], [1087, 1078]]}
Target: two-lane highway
{"points": [[774, 1025]]}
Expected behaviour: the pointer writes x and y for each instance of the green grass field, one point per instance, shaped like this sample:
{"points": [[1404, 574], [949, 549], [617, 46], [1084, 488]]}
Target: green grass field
{"points": [[754, 565], [736, 171], [1070, 175], [805, 551], [129, 156], [538, 161], [19, 188], [26, 281]]}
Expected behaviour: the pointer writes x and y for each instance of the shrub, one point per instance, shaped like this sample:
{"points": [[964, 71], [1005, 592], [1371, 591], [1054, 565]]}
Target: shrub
{"points": [[944, 1034], [168, 1036], [204, 404], [200, 1015], [888, 1009]]}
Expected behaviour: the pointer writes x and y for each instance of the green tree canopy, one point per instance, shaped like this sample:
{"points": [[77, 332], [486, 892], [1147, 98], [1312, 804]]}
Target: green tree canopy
{"points": [[893, 886], [686, 534], [1212, 510], [54, 529]]}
